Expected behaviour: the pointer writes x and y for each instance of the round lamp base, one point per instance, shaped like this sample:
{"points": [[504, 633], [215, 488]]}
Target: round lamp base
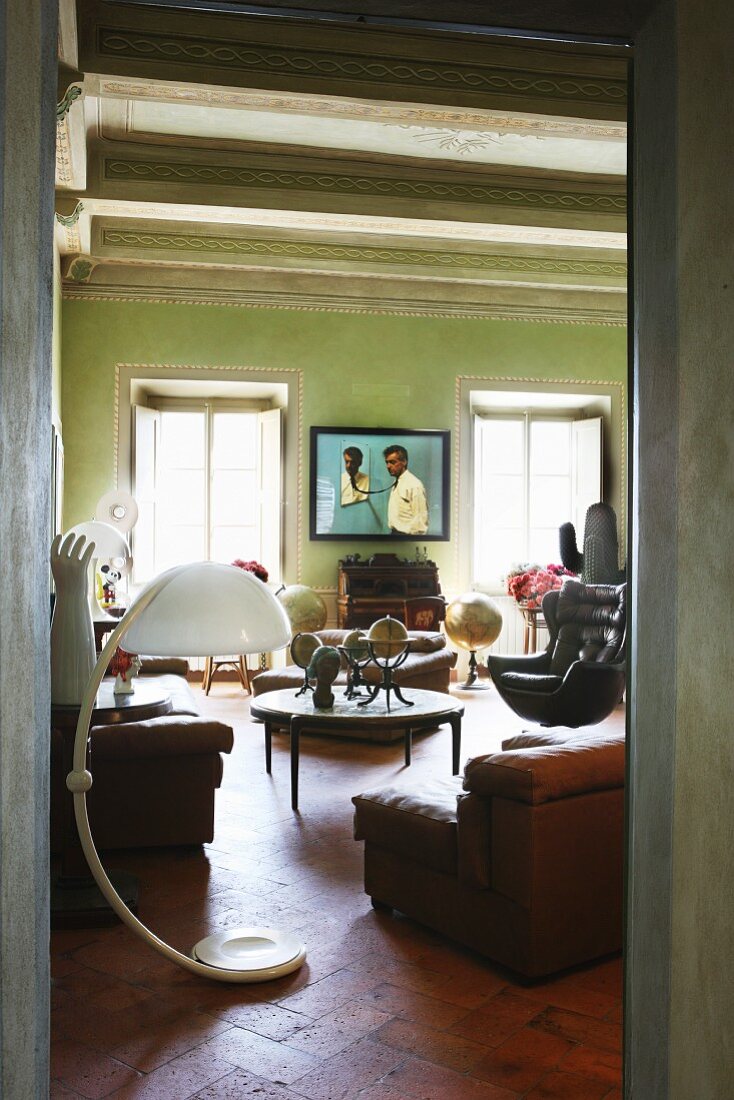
{"points": [[252, 954]]}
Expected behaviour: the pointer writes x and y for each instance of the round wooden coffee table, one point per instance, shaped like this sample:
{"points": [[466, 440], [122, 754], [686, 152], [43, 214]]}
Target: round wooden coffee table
{"points": [[287, 709]]}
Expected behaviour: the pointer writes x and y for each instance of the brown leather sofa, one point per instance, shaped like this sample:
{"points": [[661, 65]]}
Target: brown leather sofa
{"points": [[154, 781], [521, 861], [427, 666]]}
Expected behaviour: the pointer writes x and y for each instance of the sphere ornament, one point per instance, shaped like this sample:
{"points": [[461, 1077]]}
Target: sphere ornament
{"points": [[388, 637], [473, 622], [304, 607]]}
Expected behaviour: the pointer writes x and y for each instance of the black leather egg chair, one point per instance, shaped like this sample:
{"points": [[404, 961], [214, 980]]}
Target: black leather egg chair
{"points": [[580, 677]]}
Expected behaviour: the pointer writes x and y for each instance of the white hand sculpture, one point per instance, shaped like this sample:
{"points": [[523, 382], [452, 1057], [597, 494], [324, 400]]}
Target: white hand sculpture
{"points": [[73, 652]]}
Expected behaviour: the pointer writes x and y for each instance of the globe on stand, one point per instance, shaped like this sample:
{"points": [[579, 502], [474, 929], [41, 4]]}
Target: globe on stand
{"points": [[304, 607], [473, 622]]}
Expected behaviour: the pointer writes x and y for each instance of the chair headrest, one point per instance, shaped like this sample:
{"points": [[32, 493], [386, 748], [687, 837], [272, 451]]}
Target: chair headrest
{"points": [[588, 622]]}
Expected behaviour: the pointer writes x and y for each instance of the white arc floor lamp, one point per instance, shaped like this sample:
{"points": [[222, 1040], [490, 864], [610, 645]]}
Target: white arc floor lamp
{"points": [[195, 610]]}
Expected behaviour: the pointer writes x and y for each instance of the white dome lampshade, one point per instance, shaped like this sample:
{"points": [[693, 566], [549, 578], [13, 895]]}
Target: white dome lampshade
{"points": [[205, 608]]}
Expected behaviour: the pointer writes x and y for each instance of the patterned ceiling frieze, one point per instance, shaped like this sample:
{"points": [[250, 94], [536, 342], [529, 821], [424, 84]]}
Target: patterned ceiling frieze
{"points": [[472, 191], [331, 107], [199, 51], [210, 245]]}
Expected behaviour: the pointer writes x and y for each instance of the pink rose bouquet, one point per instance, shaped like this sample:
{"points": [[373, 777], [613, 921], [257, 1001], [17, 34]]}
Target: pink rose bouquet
{"points": [[252, 567], [529, 583]]}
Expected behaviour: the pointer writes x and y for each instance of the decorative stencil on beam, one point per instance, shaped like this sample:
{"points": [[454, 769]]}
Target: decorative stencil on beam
{"points": [[208, 245], [345, 183], [312, 64]]}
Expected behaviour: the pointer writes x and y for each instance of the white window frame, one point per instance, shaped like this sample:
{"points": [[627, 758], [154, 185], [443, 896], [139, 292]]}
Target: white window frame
{"points": [[607, 399], [281, 387], [527, 417]]}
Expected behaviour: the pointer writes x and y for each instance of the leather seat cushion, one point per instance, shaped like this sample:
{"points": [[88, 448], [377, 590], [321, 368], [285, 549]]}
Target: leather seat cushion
{"points": [[417, 821], [525, 681]]}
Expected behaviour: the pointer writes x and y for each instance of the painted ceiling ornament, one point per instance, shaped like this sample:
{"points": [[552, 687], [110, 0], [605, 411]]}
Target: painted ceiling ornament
{"points": [[466, 142], [81, 269], [64, 105]]}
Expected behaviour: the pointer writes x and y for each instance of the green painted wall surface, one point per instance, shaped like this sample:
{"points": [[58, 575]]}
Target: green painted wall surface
{"points": [[56, 345], [335, 351]]}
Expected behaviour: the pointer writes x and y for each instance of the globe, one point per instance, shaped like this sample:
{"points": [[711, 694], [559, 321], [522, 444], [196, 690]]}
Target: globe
{"points": [[473, 621], [388, 637], [304, 607]]}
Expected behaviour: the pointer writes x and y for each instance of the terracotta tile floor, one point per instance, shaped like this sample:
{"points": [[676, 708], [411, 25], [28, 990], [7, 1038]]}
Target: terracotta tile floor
{"points": [[383, 1009]]}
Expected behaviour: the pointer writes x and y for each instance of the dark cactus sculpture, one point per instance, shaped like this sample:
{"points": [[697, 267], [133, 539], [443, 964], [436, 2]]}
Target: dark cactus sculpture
{"points": [[599, 563]]}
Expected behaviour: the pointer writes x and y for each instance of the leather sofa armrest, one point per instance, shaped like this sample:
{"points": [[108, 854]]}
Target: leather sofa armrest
{"points": [[171, 735], [546, 774], [426, 641], [474, 840]]}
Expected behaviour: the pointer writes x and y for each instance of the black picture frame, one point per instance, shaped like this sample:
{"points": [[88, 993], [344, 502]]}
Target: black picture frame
{"points": [[363, 505]]}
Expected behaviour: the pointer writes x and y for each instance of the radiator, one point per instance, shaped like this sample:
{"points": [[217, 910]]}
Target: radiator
{"points": [[511, 635]]}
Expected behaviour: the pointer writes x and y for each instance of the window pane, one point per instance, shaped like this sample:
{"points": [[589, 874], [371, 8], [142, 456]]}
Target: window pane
{"points": [[544, 545], [550, 501], [181, 497], [234, 497], [234, 444], [182, 440], [503, 446], [504, 505], [229, 543], [550, 447], [502, 549], [177, 545]]}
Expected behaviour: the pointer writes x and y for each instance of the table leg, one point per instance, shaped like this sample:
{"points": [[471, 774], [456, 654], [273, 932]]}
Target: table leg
{"points": [[295, 745], [455, 720], [268, 747], [533, 634], [525, 634], [408, 746]]}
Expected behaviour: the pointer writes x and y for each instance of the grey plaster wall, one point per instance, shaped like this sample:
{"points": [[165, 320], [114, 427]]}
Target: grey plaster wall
{"points": [[680, 984], [27, 134]]}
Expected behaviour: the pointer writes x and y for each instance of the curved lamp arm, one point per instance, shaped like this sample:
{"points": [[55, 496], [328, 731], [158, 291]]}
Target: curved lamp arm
{"points": [[79, 781]]}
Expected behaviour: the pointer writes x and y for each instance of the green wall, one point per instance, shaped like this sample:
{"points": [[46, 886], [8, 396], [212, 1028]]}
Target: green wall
{"points": [[334, 350]]}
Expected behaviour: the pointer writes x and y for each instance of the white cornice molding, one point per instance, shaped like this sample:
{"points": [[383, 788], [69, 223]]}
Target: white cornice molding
{"points": [[571, 314]]}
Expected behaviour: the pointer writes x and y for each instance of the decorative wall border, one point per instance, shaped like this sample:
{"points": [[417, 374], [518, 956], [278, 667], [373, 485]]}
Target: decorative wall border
{"points": [[349, 182], [342, 64], [301, 464], [94, 292], [577, 383], [209, 244]]}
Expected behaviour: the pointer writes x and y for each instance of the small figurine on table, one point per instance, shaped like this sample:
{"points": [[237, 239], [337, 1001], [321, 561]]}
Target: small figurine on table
{"points": [[324, 669], [123, 667]]}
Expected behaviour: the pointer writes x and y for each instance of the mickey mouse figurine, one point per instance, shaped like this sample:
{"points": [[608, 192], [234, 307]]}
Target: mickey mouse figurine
{"points": [[109, 585]]}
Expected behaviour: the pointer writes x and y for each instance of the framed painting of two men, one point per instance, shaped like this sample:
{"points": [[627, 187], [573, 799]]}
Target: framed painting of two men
{"points": [[379, 483]]}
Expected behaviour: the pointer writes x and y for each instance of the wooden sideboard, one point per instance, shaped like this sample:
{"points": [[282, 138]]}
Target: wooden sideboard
{"points": [[379, 586]]}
